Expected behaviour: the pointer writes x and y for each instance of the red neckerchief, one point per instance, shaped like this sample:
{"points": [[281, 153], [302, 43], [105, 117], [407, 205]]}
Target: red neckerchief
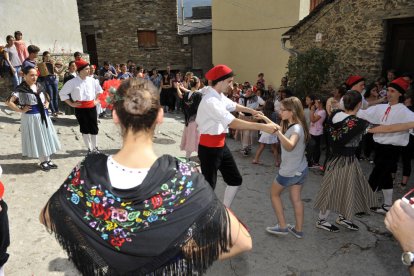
{"points": [[387, 112]]}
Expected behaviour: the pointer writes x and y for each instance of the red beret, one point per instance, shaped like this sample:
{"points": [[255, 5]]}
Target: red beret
{"points": [[400, 84], [352, 80], [80, 64], [219, 73], [1, 189]]}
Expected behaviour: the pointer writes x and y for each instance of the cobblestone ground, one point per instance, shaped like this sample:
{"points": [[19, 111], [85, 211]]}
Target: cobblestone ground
{"points": [[33, 251]]}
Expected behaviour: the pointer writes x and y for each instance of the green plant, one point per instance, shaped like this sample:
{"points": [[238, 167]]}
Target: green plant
{"points": [[308, 71]]}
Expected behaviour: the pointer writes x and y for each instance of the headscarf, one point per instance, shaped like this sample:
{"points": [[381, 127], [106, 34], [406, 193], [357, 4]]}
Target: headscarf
{"points": [[108, 231]]}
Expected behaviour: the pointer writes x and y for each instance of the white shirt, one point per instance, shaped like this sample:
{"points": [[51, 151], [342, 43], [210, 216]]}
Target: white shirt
{"points": [[80, 90], [213, 114], [398, 113], [122, 177]]}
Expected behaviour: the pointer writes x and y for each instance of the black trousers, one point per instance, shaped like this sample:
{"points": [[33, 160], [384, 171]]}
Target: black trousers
{"points": [[315, 148], [214, 159], [4, 233], [406, 154], [88, 120], [386, 158]]}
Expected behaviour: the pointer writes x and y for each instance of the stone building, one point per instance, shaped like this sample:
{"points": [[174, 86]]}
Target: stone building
{"points": [[196, 32], [369, 36], [143, 31]]}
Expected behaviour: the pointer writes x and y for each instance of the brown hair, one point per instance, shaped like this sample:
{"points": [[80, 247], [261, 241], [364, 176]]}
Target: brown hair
{"points": [[294, 105], [137, 104]]}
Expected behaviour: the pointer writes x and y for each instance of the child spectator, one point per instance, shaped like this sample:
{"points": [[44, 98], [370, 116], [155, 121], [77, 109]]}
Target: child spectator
{"points": [[266, 138]]}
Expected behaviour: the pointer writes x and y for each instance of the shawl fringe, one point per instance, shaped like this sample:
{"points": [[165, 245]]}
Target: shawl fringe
{"points": [[198, 248]]}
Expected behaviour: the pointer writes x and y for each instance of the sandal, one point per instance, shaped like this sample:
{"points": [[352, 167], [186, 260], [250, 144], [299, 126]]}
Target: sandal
{"points": [[256, 162], [44, 166]]}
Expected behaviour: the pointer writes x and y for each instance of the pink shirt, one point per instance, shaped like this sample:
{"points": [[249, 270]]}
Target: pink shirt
{"points": [[21, 50], [316, 128]]}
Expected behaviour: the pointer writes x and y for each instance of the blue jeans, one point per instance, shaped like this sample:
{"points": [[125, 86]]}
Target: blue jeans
{"points": [[51, 84], [16, 79]]}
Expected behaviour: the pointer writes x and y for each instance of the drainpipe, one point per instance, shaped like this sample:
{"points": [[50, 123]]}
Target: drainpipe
{"points": [[290, 51]]}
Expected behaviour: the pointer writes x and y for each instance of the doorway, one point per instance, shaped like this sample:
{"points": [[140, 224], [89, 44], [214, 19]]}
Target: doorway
{"points": [[399, 44]]}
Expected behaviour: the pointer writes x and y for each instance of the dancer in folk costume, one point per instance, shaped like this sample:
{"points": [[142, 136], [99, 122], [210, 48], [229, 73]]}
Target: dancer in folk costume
{"points": [[134, 213], [213, 119], [82, 93], [387, 145], [191, 100], [344, 188], [39, 138]]}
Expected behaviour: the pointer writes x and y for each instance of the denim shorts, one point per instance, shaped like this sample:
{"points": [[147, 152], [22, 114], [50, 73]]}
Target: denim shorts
{"points": [[287, 181]]}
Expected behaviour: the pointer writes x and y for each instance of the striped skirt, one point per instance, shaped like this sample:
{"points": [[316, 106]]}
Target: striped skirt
{"points": [[37, 139], [344, 188]]}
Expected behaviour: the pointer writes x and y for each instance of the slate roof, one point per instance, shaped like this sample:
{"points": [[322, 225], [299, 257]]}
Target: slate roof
{"points": [[309, 17], [195, 26]]}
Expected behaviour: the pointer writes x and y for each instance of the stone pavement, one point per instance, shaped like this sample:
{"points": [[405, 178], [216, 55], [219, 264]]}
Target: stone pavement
{"points": [[33, 251]]}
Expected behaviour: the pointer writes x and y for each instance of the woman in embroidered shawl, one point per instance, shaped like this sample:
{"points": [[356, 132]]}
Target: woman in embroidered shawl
{"points": [[39, 138], [133, 213], [344, 188]]}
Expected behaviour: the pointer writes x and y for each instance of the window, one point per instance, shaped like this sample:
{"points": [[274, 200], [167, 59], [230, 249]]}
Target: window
{"points": [[147, 39]]}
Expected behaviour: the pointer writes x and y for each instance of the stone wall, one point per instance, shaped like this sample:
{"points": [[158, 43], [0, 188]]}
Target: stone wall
{"points": [[202, 52], [356, 31], [115, 24]]}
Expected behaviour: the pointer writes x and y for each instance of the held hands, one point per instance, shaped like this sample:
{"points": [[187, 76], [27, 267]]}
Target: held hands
{"points": [[26, 108], [257, 112]]}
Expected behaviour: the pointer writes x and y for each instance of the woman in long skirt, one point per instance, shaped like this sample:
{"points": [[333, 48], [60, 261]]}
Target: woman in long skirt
{"points": [[191, 100], [39, 138], [344, 188]]}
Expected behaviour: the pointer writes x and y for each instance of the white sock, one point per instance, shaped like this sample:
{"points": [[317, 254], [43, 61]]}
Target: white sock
{"points": [[87, 140], [44, 159], [94, 141], [324, 215], [387, 196], [229, 195]]}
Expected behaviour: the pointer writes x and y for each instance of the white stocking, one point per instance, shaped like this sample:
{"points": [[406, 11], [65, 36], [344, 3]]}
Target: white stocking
{"points": [[94, 140], [87, 140], [229, 195]]}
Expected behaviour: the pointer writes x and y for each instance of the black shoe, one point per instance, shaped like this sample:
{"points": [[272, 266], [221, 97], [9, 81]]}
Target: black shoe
{"points": [[346, 223], [96, 151], [52, 165], [44, 166], [323, 224]]}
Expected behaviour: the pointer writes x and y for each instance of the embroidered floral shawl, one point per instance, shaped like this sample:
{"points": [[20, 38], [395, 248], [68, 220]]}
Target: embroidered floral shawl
{"points": [[172, 223], [345, 131]]}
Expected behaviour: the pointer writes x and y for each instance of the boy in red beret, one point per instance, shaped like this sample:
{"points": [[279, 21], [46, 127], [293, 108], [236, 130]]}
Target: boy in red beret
{"points": [[388, 145], [214, 119]]}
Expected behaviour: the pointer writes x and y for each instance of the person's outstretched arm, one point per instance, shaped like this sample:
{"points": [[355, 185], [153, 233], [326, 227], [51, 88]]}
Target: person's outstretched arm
{"points": [[391, 128]]}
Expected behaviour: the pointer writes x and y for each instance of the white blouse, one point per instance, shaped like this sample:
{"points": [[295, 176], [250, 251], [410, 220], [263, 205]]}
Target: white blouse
{"points": [[397, 113], [80, 90], [122, 177], [213, 115]]}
